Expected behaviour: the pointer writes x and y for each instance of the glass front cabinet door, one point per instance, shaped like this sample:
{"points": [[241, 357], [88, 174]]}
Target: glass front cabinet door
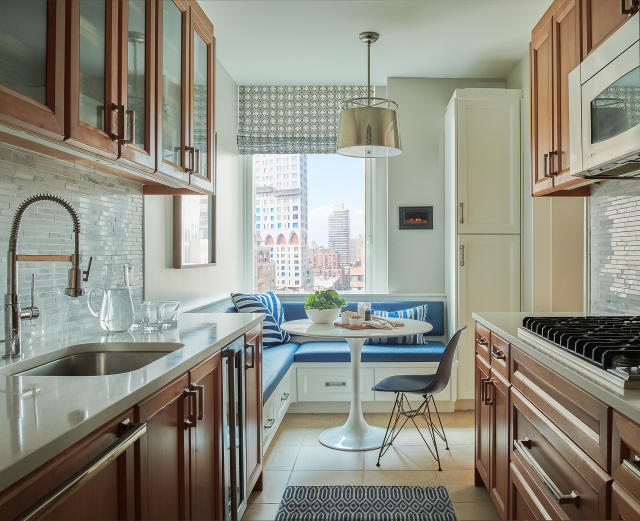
{"points": [[32, 66], [202, 56], [94, 115]]}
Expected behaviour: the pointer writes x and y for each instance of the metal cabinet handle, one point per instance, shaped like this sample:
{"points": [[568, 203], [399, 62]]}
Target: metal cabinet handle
{"points": [[553, 167], [200, 390], [335, 384], [546, 158], [269, 423], [482, 341], [497, 353], [284, 397], [487, 400], [461, 261], [129, 434], [629, 11], [196, 160], [632, 465], [132, 127], [523, 446], [483, 381], [193, 406], [461, 205], [253, 356], [119, 110], [189, 161]]}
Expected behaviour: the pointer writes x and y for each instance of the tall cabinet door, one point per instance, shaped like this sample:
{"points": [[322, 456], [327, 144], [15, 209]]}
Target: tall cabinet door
{"points": [[137, 141], [567, 55], [540, 62], [32, 66], [498, 388], [201, 106], [488, 164], [206, 440], [91, 96], [253, 407], [173, 89], [488, 280], [483, 424]]}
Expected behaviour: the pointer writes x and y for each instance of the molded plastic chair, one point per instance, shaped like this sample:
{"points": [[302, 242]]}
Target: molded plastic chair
{"points": [[427, 386]]}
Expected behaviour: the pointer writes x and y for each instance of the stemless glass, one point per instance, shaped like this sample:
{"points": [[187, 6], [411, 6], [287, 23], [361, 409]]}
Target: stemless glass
{"points": [[149, 316], [168, 313]]}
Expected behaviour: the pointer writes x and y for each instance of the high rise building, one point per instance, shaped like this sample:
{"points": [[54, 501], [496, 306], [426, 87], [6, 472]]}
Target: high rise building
{"points": [[281, 218], [339, 232]]}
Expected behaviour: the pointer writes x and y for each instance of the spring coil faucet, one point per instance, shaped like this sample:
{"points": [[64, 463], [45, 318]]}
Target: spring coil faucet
{"points": [[13, 314]]}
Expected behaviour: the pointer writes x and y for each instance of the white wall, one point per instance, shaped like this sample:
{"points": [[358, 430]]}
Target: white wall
{"points": [[416, 177], [198, 286]]}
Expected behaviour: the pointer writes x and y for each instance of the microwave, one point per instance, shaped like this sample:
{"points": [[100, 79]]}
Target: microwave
{"points": [[604, 108]]}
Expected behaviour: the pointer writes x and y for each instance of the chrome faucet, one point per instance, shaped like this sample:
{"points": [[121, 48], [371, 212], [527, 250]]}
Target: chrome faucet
{"points": [[12, 313]]}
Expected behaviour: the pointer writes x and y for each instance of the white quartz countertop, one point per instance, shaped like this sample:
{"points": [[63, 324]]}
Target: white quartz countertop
{"points": [[44, 415], [626, 401]]}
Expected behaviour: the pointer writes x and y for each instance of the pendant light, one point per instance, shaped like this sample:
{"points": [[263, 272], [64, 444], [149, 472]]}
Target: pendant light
{"points": [[369, 125]]}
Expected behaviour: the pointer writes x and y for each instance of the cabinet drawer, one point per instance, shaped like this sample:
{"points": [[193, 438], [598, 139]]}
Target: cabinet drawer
{"points": [[332, 384], [269, 417], [623, 504], [382, 373], [524, 503], [482, 341], [550, 461], [284, 395], [583, 418], [499, 349], [625, 464]]}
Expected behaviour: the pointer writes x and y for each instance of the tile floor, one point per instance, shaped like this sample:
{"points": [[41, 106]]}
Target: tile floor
{"points": [[295, 457]]}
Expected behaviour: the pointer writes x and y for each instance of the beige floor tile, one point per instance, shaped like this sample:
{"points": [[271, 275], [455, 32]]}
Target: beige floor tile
{"points": [[326, 421], [459, 457], [290, 435], [401, 457], [322, 458], [273, 484], [460, 435], [260, 512], [281, 457], [295, 420], [325, 477], [461, 488], [475, 511], [417, 478], [458, 419]]}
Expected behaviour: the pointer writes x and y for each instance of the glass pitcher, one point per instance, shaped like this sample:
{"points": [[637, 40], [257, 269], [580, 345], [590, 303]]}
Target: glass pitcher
{"points": [[116, 310]]}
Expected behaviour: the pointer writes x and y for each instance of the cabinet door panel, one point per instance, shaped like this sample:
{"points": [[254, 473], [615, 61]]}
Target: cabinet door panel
{"points": [[489, 279], [483, 424], [172, 85], [92, 113], [488, 165], [499, 470], [567, 55], [206, 441], [541, 106], [165, 479], [32, 71], [253, 407], [202, 52], [600, 19], [625, 466]]}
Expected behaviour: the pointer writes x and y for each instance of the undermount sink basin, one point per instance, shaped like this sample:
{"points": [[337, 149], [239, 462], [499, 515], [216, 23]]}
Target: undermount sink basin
{"points": [[107, 359]]}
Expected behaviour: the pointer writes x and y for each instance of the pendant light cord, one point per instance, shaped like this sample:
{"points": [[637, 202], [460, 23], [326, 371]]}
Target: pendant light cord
{"points": [[369, 73]]}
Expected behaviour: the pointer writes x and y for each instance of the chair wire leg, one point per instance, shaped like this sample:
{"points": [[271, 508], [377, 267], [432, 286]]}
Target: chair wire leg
{"points": [[432, 429], [442, 432], [388, 434]]}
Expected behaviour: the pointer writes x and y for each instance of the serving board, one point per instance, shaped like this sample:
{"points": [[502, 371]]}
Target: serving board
{"points": [[364, 326]]}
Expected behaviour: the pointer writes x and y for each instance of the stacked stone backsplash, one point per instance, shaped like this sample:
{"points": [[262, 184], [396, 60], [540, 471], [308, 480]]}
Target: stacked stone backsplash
{"points": [[615, 247], [111, 224]]}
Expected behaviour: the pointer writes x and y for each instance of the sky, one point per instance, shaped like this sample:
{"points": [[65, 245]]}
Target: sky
{"points": [[334, 179]]}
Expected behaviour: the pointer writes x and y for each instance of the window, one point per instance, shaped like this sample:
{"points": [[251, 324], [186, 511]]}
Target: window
{"points": [[317, 203]]}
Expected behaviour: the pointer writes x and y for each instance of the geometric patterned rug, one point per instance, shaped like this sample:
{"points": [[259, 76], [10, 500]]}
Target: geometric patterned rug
{"points": [[365, 503]]}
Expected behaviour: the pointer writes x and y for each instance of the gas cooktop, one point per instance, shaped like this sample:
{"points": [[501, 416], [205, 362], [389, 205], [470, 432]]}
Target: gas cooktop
{"points": [[611, 343]]}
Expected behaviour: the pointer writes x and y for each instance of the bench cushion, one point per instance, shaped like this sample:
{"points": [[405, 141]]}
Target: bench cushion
{"points": [[338, 351], [275, 364]]}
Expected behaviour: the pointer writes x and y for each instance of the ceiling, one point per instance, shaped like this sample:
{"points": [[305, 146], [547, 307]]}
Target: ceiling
{"points": [[315, 42]]}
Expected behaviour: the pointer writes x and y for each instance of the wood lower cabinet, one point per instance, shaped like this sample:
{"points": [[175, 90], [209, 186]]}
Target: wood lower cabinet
{"points": [[625, 468], [110, 493], [253, 408], [483, 424]]}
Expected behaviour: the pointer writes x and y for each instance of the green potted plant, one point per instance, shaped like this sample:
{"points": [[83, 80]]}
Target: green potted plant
{"points": [[323, 307]]}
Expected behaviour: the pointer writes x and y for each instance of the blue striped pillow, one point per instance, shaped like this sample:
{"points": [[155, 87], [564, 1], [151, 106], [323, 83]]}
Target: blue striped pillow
{"points": [[268, 304], [417, 313]]}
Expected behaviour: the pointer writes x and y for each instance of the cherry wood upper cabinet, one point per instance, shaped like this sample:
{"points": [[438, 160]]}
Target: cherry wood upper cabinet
{"points": [[32, 71], [173, 89], [541, 77], [92, 115], [601, 18], [137, 83], [201, 99]]}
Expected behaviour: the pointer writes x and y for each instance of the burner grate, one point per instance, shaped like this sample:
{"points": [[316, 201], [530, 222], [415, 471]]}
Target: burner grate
{"points": [[603, 341]]}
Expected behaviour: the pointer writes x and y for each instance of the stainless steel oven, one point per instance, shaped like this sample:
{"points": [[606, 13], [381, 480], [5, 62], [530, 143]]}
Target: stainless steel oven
{"points": [[235, 500], [604, 108]]}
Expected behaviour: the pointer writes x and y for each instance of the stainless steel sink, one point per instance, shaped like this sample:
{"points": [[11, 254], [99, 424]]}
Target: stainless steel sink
{"points": [[107, 359]]}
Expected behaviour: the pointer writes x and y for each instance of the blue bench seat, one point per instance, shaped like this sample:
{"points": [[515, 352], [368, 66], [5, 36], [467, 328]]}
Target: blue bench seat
{"points": [[275, 364], [338, 351]]}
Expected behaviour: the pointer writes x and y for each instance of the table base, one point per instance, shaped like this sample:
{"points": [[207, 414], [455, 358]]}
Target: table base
{"points": [[347, 438]]}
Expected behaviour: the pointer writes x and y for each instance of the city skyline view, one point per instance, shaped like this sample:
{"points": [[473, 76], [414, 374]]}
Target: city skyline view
{"points": [[309, 225]]}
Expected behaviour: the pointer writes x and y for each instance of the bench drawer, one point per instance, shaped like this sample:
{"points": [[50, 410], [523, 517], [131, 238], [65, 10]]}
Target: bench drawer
{"points": [[582, 417], [549, 461], [383, 372], [625, 465], [332, 384], [284, 394]]}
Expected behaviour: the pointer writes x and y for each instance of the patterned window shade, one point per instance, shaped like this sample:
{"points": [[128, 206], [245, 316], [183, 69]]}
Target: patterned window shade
{"points": [[291, 119]]}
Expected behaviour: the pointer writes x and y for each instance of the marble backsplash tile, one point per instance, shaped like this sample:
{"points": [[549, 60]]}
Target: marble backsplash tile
{"points": [[615, 247], [111, 220]]}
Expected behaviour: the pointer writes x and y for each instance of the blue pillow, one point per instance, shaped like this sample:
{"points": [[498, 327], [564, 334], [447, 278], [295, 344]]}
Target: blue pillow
{"points": [[268, 304], [417, 313]]}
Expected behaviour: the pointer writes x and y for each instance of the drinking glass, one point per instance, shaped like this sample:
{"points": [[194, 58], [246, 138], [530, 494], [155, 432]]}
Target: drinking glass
{"points": [[168, 313], [149, 316], [137, 317]]}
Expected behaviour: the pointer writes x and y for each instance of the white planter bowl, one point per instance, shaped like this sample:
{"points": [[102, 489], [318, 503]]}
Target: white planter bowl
{"points": [[323, 316]]}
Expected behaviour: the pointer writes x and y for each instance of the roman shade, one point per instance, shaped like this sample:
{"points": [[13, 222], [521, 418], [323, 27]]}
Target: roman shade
{"points": [[286, 119]]}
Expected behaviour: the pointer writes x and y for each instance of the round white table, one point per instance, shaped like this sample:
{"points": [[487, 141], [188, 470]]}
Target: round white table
{"points": [[355, 434]]}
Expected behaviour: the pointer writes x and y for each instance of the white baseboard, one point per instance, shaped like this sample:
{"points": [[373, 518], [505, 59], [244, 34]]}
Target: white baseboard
{"points": [[343, 407]]}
